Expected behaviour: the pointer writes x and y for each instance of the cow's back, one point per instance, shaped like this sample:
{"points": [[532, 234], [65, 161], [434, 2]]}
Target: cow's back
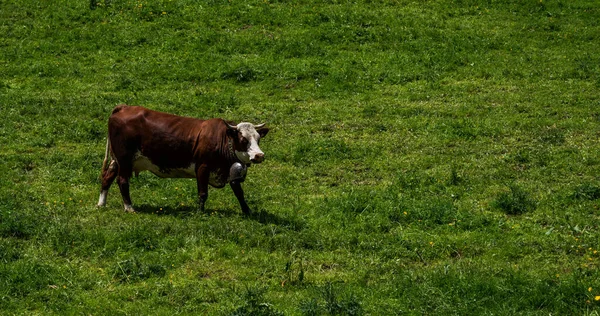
{"points": [[167, 140]]}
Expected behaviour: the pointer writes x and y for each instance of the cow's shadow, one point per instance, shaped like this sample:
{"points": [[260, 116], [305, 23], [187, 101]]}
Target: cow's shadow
{"points": [[258, 215], [265, 217], [180, 211]]}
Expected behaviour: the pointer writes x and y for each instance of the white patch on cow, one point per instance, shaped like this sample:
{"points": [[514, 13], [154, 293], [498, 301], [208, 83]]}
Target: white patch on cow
{"points": [[102, 199], [253, 152], [142, 163]]}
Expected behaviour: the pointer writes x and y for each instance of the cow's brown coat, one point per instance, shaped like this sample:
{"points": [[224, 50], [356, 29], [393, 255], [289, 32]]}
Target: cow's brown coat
{"points": [[172, 142]]}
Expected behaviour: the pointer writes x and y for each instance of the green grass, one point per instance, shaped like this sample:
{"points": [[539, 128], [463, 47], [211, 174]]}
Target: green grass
{"points": [[435, 157]]}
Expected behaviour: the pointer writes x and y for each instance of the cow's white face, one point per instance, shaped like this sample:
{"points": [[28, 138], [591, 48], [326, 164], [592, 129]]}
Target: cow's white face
{"points": [[247, 150]]}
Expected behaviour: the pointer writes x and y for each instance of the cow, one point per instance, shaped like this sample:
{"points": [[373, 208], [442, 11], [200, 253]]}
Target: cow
{"points": [[212, 151]]}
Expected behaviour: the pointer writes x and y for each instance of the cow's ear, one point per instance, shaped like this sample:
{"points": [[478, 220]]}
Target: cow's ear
{"points": [[232, 130], [263, 131]]}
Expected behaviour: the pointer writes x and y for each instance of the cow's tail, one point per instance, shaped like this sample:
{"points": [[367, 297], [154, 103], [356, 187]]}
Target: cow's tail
{"points": [[106, 155]]}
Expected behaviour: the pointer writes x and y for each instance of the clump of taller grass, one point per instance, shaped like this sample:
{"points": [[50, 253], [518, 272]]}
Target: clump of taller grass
{"points": [[587, 191], [255, 304], [516, 201], [332, 303]]}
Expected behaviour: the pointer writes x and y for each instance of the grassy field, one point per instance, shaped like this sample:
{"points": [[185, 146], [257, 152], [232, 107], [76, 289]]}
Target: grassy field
{"points": [[425, 157]]}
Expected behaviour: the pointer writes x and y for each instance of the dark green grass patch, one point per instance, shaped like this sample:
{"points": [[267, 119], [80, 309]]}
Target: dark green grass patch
{"points": [[331, 299], [517, 201], [587, 191], [255, 304]]}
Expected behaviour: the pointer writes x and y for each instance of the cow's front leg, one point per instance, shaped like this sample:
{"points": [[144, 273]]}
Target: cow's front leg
{"points": [[236, 186], [202, 175]]}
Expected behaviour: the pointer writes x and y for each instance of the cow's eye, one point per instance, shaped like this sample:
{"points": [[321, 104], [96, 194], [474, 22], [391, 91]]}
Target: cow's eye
{"points": [[244, 142]]}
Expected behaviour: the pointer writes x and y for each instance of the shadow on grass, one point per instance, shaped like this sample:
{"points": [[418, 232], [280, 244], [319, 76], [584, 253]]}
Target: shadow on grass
{"points": [[265, 217], [260, 216], [180, 211]]}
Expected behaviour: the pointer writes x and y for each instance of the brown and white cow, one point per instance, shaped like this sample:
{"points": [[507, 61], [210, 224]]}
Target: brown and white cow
{"points": [[212, 151]]}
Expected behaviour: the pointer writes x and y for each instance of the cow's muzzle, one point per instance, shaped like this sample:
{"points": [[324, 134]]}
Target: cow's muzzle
{"points": [[258, 158]]}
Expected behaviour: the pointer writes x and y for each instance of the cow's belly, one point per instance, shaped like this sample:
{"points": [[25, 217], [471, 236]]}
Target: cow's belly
{"points": [[142, 163]]}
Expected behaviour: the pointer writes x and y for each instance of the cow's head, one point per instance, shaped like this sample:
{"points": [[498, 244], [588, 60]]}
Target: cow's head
{"points": [[246, 137]]}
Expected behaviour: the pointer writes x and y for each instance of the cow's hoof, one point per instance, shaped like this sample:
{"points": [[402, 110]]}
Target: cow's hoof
{"points": [[129, 209], [102, 199], [246, 211]]}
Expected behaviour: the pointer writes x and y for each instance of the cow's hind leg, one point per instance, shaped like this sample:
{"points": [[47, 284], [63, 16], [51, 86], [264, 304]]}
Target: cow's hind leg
{"points": [[124, 187], [108, 176], [125, 173]]}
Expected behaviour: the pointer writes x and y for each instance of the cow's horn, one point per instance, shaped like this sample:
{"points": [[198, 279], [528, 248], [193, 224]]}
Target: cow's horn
{"points": [[231, 126], [259, 126]]}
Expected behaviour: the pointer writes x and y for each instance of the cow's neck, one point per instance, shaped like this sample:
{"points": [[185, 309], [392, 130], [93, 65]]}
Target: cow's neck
{"points": [[230, 147], [231, 151]]}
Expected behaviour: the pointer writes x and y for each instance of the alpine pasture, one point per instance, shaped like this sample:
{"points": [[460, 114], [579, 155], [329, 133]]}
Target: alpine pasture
{"points": [[425, 157]]}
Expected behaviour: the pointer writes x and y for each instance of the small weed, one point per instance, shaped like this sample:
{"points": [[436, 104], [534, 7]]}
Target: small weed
{"points": [[332, 300], [335, 305], [455, 178], [436, 211], [255, 304], [587, 191], [310, 307], [294, 270], [515, 202]]}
